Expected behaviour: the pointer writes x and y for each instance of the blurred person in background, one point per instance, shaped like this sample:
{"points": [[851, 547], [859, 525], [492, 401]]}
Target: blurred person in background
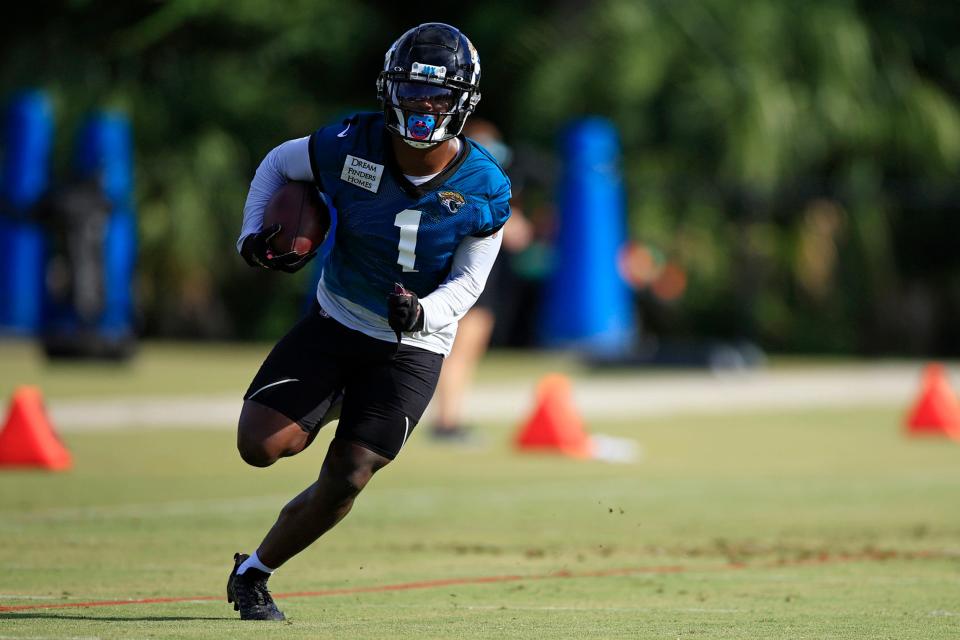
{"points": [[476, 328], [420, 213]]}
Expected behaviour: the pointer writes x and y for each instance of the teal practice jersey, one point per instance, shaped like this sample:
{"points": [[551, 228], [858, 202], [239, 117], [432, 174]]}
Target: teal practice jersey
{"points": [[390, 230]]}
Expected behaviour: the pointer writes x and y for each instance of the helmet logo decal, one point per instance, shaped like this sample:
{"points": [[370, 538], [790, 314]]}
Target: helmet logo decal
{"points": [[451, 200], [420, 125], [420, 71]]}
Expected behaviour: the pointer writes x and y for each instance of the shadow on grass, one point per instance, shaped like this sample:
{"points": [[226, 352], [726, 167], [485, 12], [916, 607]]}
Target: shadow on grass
{"points": [[61, 616]]}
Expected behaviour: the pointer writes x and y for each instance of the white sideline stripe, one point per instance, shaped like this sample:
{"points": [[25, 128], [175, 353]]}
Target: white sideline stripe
{"points": [[645, 395], [272, 384], [135, 412], [16, 596]]}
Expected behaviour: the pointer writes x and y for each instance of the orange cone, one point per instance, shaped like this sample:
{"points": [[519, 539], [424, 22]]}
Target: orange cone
{"points": [[555, 425], [27, 438], [936, 411]]}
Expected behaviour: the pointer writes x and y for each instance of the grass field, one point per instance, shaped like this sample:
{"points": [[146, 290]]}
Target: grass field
{"points": [[814, 524]]}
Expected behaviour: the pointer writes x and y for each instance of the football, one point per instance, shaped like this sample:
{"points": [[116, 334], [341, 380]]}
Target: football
{"points": [[303, 217]]}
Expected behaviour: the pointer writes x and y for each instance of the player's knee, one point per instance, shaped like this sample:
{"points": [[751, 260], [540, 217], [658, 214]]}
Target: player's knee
{"points": [[254, 452], [351, 466], [357, 479], [256, 456], [347, 481], [260, 435]]}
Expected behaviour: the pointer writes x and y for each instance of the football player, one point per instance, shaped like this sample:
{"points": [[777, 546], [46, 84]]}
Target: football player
{"points": [[419, 213]]}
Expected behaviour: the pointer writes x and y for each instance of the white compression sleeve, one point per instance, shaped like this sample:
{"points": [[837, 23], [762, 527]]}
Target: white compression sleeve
{"points": [[289, 161], [472, 263]]}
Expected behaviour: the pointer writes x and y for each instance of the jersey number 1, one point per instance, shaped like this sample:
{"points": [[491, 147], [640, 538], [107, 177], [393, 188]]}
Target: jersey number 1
{"points": [[409, 222]]}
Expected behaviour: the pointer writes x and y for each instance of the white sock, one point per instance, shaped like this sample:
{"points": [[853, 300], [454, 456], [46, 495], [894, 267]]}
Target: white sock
{"points": [[253, 562]]}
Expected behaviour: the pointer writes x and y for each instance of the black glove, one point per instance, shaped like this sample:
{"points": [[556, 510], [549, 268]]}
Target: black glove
{"points": [[404, 312], [256, 250]]}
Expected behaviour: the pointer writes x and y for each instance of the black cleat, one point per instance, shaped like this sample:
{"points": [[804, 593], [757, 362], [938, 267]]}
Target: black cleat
{"points": [[249, 594]]}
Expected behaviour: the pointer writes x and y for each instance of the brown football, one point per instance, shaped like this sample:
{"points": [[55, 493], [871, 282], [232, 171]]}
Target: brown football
{"points": [[302, 215]]}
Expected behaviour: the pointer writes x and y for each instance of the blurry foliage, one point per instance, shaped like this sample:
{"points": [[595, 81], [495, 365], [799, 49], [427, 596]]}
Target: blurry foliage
{"points": [[798, 159], [740, 120]]}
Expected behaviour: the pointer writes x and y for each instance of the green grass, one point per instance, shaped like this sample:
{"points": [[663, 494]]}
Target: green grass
{"points": [[159, 369], [159, 514]]}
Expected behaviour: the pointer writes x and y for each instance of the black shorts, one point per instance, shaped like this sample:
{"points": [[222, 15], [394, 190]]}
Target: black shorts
{"points": [[385, 389]]}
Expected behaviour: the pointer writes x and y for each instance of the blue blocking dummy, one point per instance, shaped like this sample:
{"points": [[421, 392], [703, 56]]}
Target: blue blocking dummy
{"points": [[587, 304], [27, 139], [90, 310]]}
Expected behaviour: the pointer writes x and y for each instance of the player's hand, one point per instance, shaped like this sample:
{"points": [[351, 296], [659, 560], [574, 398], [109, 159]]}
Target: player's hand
{"points": [[257, 252], [404, 312], [291, 262]]}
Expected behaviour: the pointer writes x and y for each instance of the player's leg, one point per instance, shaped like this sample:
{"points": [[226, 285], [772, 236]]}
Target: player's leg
{"points": [[385, 396], [265, 435], [295, 392], [346, 470], [473, 336]]}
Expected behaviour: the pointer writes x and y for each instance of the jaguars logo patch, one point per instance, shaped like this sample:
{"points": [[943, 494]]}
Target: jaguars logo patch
{"points": [[451, 200]]}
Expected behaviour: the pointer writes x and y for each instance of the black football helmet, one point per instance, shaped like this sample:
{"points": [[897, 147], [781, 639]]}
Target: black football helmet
{"points": [[430, 83]]}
